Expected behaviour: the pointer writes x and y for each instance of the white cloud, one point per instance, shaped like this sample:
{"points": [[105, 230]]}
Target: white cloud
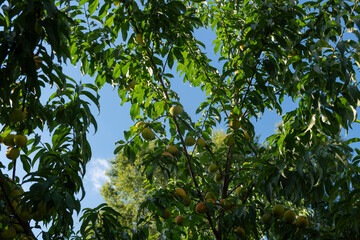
{"points": [[95, 176]]}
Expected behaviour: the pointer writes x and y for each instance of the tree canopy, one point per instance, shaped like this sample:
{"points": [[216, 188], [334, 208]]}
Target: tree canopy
{"points": [[301, 183]]}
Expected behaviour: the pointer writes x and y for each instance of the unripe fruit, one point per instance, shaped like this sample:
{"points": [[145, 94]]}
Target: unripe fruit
{"points": [[25, 213], [16, 193], [213, 168], [201, 142], [235, 124], [302, 221], [218, 177], [20, 141], [226, 204], [166, 214], [172, 149], [12, 153], [201, 208], [139, 39], [179, 220], [240, 232], [9, 140], [210, 197], [176, 110], [17, 116], [189, 140], [180, 192], [266, 218], [147, 134], [278, 210], [229, 140], [289, 216], [11, 183]]}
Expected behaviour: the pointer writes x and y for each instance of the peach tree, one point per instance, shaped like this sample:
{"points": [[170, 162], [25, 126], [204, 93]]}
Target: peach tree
{"points": [[301, 182]]}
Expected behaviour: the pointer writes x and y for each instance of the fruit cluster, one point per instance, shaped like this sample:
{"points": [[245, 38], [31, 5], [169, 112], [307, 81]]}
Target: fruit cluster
{"points": [[180, 195], [14, 142], [12, 197], [202, 207], [288, 216], [148, 134], [11, 229], [235, 125], [278, 211]]}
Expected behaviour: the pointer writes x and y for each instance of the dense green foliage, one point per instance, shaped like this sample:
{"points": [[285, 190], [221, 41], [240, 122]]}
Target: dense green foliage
{"points": [[269, 50], [54, 167]]}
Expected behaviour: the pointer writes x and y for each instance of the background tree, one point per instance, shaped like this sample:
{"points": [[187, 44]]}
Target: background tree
{"points": [[128, 186], [126, 189]]}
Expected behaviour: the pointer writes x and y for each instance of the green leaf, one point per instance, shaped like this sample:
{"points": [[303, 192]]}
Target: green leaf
{"points": [[93, 6]]}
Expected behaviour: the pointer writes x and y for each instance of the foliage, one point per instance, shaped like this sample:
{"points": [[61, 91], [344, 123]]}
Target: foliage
{"points": [[269, 50], [34, 43]]}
